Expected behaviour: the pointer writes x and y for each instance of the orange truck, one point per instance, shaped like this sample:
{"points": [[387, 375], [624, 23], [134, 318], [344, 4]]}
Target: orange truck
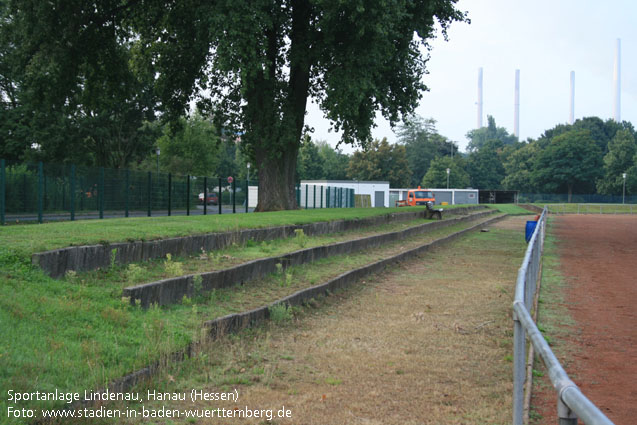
{"points": [[417, 197], [421, 197]]}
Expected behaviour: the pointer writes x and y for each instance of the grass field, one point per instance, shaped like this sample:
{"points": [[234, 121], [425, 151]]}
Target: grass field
{"points": [[591, 208], [77, 333]]}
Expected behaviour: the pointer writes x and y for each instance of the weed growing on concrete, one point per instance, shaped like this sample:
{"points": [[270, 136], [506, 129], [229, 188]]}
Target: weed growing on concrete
{"points": [[113, 257], [135, 273], [197, 284], [300, 237], [280, 313], [173, 268]]}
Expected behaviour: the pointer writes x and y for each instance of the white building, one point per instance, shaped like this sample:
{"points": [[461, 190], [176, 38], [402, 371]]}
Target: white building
{"points": [[378, 190]]}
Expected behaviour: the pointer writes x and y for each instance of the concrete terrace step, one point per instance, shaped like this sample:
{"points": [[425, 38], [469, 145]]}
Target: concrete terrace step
{"points": [[172, 290], [57, 262]]}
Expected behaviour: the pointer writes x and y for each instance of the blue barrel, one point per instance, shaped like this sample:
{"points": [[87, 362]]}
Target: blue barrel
{"points": [[530, 228]]}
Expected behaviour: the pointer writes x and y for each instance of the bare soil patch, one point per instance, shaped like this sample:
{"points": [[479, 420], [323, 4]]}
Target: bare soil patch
{"points": [[597, 257]]}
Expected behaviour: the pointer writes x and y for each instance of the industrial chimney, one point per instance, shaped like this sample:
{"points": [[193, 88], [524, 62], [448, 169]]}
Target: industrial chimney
{"points": [[617, 82], [516, 105], [479, 97], [571, 115]]}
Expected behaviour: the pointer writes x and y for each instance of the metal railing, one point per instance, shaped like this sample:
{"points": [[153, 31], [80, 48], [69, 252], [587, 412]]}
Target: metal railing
{"points": [[571, 404]]}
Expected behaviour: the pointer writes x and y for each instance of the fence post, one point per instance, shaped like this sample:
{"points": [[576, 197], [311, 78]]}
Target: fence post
{"points": [[314, 201], [234, 192], [100, 197], [565, 415], [127, 193], [170, 192], [40, 190], [2, 191], [149, 192], [205, 196], [219, 196], [327, 197], [72, 190], [188, 194], [306, 190], [247, 193], [322, 187], [519, 351]]}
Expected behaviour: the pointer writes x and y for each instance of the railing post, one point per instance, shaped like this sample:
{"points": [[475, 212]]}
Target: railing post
{"points": [[306, 190], [565, 415], [72, 192], [219, 196], [40, 190], [519, 354], [322, 188], [2, 191], [314, 201], [150, 182], [188, 194], [247, 193], [127, 193], [234, 193], [170, 192], [205, 195]]}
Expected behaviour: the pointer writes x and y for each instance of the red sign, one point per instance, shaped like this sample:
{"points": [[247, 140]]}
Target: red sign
{"points": [[230, 179]]}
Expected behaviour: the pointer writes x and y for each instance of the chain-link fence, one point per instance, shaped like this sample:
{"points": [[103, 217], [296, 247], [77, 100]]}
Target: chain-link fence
{"points": [[545, 198], [35, 191]]}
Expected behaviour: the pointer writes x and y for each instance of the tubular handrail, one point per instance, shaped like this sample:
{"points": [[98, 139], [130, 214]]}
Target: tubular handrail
{"points": [[572, 403]]}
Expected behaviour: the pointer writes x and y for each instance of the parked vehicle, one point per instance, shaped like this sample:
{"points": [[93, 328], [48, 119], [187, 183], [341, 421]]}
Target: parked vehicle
{"points": [[212, 198], [417, 197]]}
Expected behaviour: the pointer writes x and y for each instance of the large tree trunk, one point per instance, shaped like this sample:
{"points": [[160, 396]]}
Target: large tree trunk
{"points": [[277, 166], [277, 182]]}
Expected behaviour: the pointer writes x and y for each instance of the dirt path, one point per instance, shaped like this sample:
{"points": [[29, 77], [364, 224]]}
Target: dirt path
{"points": [[428, 342], [597, 256]]}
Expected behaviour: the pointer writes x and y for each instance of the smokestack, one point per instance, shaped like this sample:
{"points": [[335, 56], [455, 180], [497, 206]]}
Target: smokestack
{"points": [[516, 105], [479, 97], [617, 82], [571, 115]]}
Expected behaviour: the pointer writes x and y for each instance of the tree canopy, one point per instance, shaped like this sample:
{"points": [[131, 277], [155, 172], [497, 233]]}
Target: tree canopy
{"points": [[381, 162], [251, 65]]}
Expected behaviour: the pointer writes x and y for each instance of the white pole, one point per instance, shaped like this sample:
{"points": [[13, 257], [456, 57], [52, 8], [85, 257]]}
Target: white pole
{"points": [[479, 98], [571, 116], [516, 105], [617, 82]]}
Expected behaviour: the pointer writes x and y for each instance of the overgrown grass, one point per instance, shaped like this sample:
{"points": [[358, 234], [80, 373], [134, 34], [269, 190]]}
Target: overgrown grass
{"points": [[28, 239], [78, 333]]}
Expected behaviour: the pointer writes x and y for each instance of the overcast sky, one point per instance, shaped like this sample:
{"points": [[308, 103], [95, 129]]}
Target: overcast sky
{"points": [[545, 40]]}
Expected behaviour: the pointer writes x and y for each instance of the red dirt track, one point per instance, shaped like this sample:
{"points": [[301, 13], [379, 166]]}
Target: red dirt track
{"points": [[598, 257]]}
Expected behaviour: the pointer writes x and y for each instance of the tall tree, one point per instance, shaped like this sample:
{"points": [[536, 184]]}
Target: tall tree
{"points": [[381, 162], [618, 160], [69, 71], [436, 176], [423, 144], [570, 163], [192, 149], [518, 167], [480, 136], [485, 166], [335, 162], [310, 162], [261, 60]]}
